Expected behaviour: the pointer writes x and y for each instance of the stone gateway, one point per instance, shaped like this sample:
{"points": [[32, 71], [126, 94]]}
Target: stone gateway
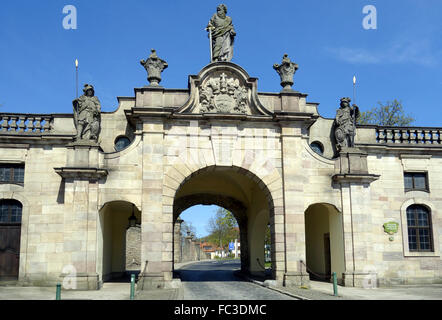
{"points": [[75, 186]]}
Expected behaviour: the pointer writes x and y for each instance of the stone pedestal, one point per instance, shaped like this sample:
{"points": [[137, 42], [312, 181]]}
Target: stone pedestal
{"points": [[83, 154], [351, 161]]}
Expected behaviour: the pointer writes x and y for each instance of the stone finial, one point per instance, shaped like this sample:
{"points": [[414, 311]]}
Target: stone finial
{"points": [[154, 66], [286, 71]]}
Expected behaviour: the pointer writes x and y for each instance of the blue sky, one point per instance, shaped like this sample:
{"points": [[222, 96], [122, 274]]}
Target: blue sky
{"points": [[401, 59]]}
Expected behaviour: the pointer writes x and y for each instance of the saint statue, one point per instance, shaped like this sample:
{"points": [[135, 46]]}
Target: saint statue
{"points": [[345, 124], [222, 35], [87, 115]]}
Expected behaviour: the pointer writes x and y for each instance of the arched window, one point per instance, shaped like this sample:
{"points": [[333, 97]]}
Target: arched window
{"points": [[420, 235], [10, 212]]}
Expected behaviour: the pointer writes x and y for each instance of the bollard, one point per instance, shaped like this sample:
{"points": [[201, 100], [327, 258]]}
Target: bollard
{"points": [[58, 292], [132, 287], [335, 284]]}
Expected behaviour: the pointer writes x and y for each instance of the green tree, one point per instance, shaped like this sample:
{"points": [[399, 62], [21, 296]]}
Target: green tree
{"points": [[268, 238], [187, 227], [222, 228], [389, 114]]}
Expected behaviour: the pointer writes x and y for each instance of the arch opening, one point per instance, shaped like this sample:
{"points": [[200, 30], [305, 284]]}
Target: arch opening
{"points": [[245, 196], [324, 240], [119, 241]]}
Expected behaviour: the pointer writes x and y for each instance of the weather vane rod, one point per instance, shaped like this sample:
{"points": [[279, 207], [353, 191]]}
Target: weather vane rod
{"points": [[354, 89], [76, 77]]}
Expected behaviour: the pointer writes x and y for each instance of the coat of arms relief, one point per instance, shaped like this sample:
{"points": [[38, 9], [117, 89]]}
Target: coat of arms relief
{"points": [[223, 94]]}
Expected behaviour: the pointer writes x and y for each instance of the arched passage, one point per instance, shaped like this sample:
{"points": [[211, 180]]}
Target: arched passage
{"points": [[240, 192], [116, 223], [324, 241]]}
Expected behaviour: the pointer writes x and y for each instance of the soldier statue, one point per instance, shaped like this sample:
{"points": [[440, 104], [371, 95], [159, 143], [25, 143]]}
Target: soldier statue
{"points": [[87, 115], [345, 124], [222, 35]]}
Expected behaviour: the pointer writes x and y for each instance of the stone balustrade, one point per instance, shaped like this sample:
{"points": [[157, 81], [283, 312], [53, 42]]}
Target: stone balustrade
{"points": [[25, 123], [402, 135]]}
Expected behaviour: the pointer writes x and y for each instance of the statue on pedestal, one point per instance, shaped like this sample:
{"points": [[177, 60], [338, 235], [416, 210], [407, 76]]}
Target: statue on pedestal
{"points": [[87, 115], [154, 66], [222, 35], [286, 71], [345, 124]]}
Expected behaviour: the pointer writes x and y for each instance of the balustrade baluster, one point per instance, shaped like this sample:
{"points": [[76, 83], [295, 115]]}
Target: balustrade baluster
{"points": [[37, 124], [397, 135], [21, 124], [30, 125], [5, 124], [26, 124], [13, 125], [47, 124], [428, 135]]}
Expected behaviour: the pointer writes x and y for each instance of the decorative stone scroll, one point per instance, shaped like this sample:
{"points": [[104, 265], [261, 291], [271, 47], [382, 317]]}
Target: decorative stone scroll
{"points": [[223, 89], [223, 94]]}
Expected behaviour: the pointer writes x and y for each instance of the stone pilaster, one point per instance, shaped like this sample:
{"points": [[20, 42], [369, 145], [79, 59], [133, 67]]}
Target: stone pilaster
{"points": [[177, 241], [81, 175], [294, 225], [354, 180], [157, 220]]}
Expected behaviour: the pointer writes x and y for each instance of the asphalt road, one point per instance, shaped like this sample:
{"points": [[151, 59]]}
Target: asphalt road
{"points": [[215, 280]]}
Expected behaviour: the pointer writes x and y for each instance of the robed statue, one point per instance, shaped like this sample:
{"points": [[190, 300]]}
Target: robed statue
{"points": [[222, 35], [345, 124], [87, 115]]}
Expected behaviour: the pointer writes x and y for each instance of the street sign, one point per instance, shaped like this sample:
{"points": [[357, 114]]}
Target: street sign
{"points": [[231, 246]]}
